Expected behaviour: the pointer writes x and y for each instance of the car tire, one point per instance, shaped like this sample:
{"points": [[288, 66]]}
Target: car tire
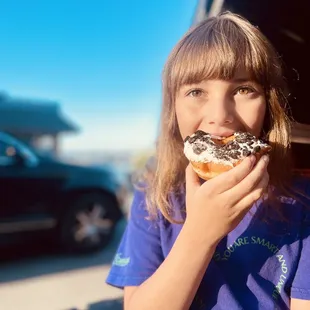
{"points": [[89, 223]]}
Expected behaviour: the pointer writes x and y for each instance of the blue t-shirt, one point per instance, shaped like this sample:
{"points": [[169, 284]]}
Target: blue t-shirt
{"points": [[259, 265]]}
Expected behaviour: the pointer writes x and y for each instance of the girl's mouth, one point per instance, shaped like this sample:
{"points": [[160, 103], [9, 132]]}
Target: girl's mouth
{"points": [[217, 137]]}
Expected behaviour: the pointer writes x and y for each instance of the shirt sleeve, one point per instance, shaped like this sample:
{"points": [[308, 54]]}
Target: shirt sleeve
{"points": [[301, 283], [139, 253]]}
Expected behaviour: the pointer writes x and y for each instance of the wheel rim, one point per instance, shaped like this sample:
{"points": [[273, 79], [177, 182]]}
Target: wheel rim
{"points": [[92, 225]]}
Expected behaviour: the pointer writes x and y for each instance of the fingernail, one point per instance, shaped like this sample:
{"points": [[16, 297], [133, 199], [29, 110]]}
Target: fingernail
{"points": [[252, 160], [265, 159]]}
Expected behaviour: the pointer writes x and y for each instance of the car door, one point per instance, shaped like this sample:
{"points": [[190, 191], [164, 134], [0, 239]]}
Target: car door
{"points": [[9, 187], [27, 187]]}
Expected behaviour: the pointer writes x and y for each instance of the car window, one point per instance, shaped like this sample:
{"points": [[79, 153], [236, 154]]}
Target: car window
{"points": [[7, 154]]}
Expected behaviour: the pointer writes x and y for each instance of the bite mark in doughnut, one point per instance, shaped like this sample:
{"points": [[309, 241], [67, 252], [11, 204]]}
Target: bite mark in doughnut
{"points": [[210, 156]]}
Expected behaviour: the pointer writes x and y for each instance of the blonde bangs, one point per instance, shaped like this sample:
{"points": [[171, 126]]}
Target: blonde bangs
{"points": [[216, 51]]}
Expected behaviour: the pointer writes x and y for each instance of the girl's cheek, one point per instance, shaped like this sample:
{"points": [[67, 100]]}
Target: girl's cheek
{"points": [[252, 115], [187, 122]]}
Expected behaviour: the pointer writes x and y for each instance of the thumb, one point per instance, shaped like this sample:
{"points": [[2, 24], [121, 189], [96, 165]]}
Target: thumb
{"points": [[192, 181]]}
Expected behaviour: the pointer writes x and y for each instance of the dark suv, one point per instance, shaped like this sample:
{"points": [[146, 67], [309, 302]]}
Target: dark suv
{"points": [[76, 206]]}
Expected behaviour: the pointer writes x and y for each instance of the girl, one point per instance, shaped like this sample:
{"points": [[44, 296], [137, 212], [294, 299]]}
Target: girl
{"points": [[218, 244]]}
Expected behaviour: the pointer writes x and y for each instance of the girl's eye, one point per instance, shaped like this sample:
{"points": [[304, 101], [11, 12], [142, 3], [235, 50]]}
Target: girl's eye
{"points": [[195, 93], [245, 90]]}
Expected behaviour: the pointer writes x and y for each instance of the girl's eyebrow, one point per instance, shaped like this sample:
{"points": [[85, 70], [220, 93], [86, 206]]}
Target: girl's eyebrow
{"points": [[185, 86], [238, 80]]}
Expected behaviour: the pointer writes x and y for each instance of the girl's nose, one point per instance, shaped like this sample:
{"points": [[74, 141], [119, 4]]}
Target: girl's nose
{"points": [[219, 113]]}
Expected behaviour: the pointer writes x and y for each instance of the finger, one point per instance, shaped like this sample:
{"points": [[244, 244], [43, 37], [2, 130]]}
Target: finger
{"points": [[231, 178], [192, 180], [245, 205], [260, 189], [247, 185]]}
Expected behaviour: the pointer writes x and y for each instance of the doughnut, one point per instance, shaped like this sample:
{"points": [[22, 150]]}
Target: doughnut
{"points": [[212, 155]]}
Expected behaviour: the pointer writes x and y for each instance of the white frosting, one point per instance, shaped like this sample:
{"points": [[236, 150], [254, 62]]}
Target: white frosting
{"points": [[208, 155]]}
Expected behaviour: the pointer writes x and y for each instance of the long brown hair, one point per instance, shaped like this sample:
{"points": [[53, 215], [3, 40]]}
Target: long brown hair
{"points": [[214, 49]]}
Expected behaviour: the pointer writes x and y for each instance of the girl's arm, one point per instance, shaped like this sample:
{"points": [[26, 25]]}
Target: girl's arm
{"points": [[175, 283], [213, 210]]}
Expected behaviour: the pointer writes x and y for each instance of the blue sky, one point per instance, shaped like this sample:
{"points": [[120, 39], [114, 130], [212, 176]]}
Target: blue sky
{"points": [[101, 60]]}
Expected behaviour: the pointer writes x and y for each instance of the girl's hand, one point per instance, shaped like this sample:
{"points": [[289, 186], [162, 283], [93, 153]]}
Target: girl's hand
{"points": [[216, 207]]}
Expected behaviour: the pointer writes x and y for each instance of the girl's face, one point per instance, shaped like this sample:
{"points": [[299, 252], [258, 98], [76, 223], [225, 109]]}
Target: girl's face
{"points": [[221, 107]]}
